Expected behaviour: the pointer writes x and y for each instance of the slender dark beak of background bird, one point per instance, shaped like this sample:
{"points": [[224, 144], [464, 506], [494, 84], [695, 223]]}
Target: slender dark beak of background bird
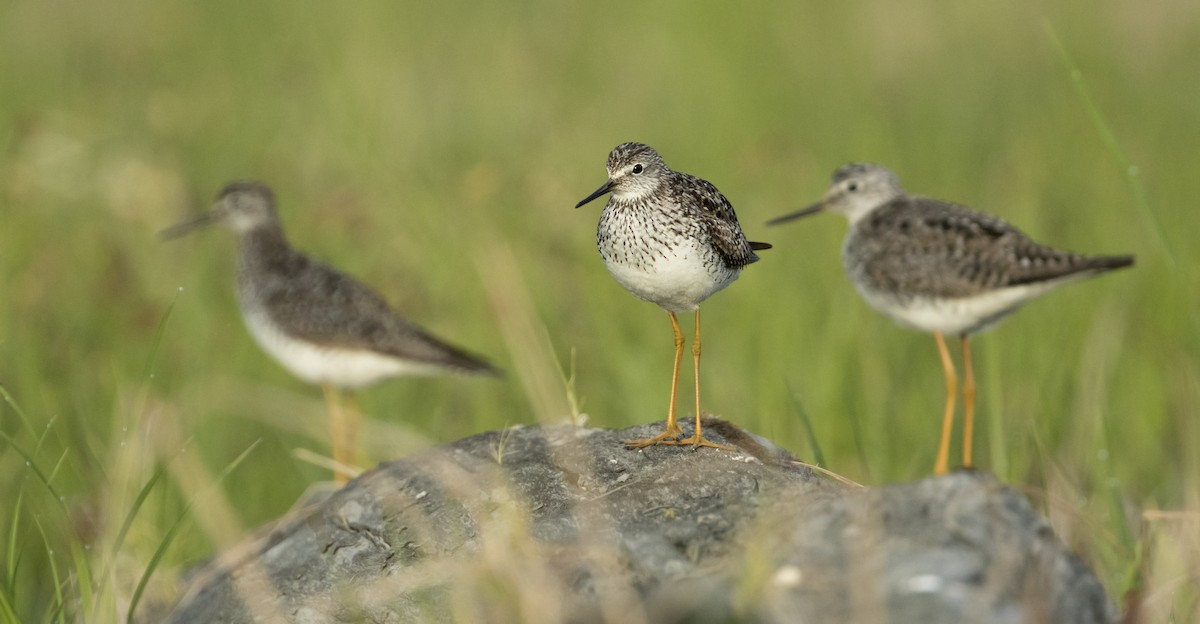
{"points": [[604, 188], [181, 229], [804, 212]]}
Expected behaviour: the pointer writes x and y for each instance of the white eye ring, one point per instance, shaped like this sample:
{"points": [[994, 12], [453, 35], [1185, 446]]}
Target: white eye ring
{"points": [[853, 186], [637, 168]]}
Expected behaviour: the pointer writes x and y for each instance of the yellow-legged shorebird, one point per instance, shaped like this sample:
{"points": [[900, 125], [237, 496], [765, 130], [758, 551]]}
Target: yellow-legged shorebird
{"points": [[942, 268], [319, 323], [672, 239]]}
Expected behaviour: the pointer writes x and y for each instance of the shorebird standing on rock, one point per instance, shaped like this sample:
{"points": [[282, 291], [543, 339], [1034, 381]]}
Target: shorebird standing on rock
{"points": [[672, 239]]}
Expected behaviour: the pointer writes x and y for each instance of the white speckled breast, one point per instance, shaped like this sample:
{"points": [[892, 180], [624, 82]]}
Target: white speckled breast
{"points": [[670, 263]]}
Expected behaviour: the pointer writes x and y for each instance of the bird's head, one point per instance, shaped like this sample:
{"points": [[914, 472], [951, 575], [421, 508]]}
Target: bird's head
{"points": [[241, 206], [635, 170], [856, 190]]}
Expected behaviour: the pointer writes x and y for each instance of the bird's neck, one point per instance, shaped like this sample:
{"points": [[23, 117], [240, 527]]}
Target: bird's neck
{"points": [[856, 216], [637, 196], [262, 248], [644, 189], [860, 213]]}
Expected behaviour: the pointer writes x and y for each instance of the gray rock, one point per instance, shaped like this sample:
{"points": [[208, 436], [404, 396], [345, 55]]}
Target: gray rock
{"points": [[563, 524]]}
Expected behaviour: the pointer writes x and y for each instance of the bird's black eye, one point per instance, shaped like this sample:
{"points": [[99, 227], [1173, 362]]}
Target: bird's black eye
{"points": [[637, 168], [853, 186]]}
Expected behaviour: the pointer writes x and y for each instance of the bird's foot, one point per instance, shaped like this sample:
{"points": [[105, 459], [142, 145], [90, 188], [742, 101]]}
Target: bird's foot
{"points": [[670, 435], [698, 441]]}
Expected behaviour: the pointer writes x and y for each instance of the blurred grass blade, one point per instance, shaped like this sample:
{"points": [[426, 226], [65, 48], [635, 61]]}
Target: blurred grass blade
{"points": [[128, 522], [1117, 509], [159, 331], [1133, 586], [29, 463], [21, 415], [169, 537], [83, 576], [58, 581], [568, 381], [8, 613], [58, 465], [1000, 429], [1109, 138], [13, 560], [808, 426]]}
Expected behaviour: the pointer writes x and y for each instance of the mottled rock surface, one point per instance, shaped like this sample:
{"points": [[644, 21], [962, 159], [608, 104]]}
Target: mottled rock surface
{"points": [[558, 523]]}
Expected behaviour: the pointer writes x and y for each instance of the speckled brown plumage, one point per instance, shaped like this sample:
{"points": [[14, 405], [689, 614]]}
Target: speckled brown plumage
{"points": [[916, 246], [315, 303], [319, 304], [668, 237], [672, 239], [942, 268], [322, 325], [939, 266]]}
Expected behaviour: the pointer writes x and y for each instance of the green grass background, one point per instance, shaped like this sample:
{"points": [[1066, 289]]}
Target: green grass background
{"points": [[435, 150]]}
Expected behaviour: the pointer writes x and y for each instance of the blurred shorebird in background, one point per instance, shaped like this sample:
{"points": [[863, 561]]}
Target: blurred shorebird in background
{"points": [[319, 323], [942, 268]]}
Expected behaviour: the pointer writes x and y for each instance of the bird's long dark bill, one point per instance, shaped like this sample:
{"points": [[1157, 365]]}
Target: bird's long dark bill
{"points": [[180, 229], [604, 188], [811, 210]]}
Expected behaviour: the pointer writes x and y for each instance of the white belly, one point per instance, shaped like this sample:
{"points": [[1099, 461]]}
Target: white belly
{"points": [[954, 316], [677, 280], [343, 368]]}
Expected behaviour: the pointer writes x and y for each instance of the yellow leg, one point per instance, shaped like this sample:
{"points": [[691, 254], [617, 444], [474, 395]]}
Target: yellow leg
{"points": [[696, 371], [350, 431], [337, 430], [943, 457], [968, 391], [672, 430], [698, 440]]}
